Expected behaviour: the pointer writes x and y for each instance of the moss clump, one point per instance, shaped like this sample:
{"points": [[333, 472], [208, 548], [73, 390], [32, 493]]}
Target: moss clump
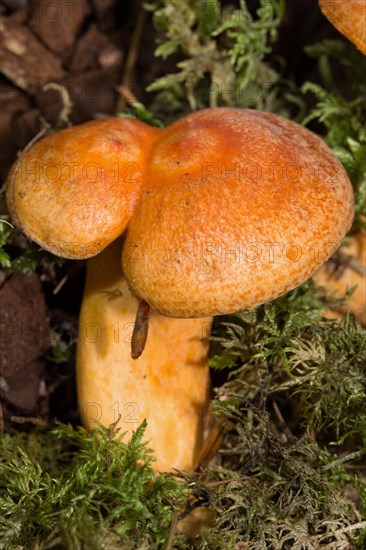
{"points": [[272, 493], [289, 474], [70, 489], [224, 51]]}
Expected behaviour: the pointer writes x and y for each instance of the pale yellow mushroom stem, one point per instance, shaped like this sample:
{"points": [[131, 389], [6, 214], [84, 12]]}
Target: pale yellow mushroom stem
{"points": [[168, 385]]}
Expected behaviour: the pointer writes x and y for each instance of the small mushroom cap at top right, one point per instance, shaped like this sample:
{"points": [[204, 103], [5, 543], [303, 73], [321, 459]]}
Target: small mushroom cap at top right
{"points": [[349, 17]]}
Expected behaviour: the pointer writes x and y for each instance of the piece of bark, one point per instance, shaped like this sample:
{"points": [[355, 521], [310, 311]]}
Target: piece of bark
{"points": [[93, 50], [25, 126], [12, 102], [24, 330], [24, 60], [22, 389], [105, 13], [58, 24], [11, 99]]}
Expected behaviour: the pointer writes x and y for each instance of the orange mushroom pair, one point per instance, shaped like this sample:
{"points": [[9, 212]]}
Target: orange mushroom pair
{"points": [[223, 210]]}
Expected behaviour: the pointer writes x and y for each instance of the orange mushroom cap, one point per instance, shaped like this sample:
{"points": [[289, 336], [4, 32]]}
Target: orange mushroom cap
{"points": [[349, 17], [239, 207], [231, 209], [74, 191]]}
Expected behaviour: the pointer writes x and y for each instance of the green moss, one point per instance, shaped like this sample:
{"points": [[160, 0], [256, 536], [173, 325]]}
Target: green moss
{"points": [[70, 489], [289, 474], [344, 118], [289, 351], [17, 253], [224, 53]]}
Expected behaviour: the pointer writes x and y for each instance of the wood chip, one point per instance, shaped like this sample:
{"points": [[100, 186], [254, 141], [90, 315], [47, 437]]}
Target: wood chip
{"points": [[24, 331], [58, 24], [24, 60], [93, 50]]}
